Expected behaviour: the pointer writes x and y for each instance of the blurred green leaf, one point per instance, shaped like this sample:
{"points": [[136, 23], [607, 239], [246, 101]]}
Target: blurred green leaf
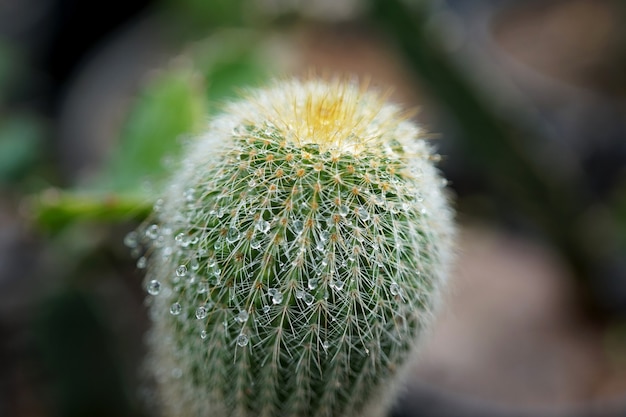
{"points": [[20, 142], [170, 106], [174, 104], [226, 77], [230, 61], [54, 209]]}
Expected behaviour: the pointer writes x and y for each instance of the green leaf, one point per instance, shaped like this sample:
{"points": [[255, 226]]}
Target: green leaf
{"points": [[230, 61], [54, 209], [170, 106], [175, 103]]}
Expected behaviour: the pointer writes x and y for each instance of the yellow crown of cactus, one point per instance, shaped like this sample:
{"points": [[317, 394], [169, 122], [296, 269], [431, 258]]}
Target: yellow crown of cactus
{"points": [[296, 256]]}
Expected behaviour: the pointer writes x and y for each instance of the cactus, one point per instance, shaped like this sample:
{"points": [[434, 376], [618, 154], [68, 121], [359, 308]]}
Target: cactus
{"points": [[296, 256]]}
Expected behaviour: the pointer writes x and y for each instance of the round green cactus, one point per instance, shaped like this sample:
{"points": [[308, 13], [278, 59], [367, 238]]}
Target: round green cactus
{"points": [[296, 256]]}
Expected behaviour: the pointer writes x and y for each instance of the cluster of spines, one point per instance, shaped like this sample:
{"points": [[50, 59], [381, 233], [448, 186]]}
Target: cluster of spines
{"points": [[293, 278]]}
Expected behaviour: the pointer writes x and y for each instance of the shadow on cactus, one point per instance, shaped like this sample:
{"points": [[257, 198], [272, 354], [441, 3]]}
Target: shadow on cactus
{"points": [[295, 257]]}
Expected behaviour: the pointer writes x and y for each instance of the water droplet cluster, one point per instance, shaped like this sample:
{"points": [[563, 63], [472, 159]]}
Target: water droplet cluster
{"points": [[295, 257]]}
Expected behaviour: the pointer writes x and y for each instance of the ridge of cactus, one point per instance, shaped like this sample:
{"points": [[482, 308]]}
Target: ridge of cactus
{"points": [[296, 256]]}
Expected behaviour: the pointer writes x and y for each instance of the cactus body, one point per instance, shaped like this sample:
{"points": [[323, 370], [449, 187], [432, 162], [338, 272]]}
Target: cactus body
{"points": [[298, 254]]}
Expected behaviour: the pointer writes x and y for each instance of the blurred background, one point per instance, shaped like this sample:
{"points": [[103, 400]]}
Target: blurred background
{"points": [[526, 102]]}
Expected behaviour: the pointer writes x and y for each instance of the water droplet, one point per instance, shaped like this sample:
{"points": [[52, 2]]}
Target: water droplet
{"points": [[394, 289], [152, 232], [195, 264], [189, 194], [181, 271], [300, 294], [203, 334], [330, 222], [176, 309], [338, 284], [343, 210], [308, 299], [203, 287], [363, 214], [154, 287], [217, 280], [252, 183], [255, 243], [130, 240], [325, 345], [298, 226], [324, 236], [242, 317], [266, 309], [142, 262], [158, 205], [262, 226], [233, 235], [242, 340], [277, 298], [201, 313], [312, 283]]}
